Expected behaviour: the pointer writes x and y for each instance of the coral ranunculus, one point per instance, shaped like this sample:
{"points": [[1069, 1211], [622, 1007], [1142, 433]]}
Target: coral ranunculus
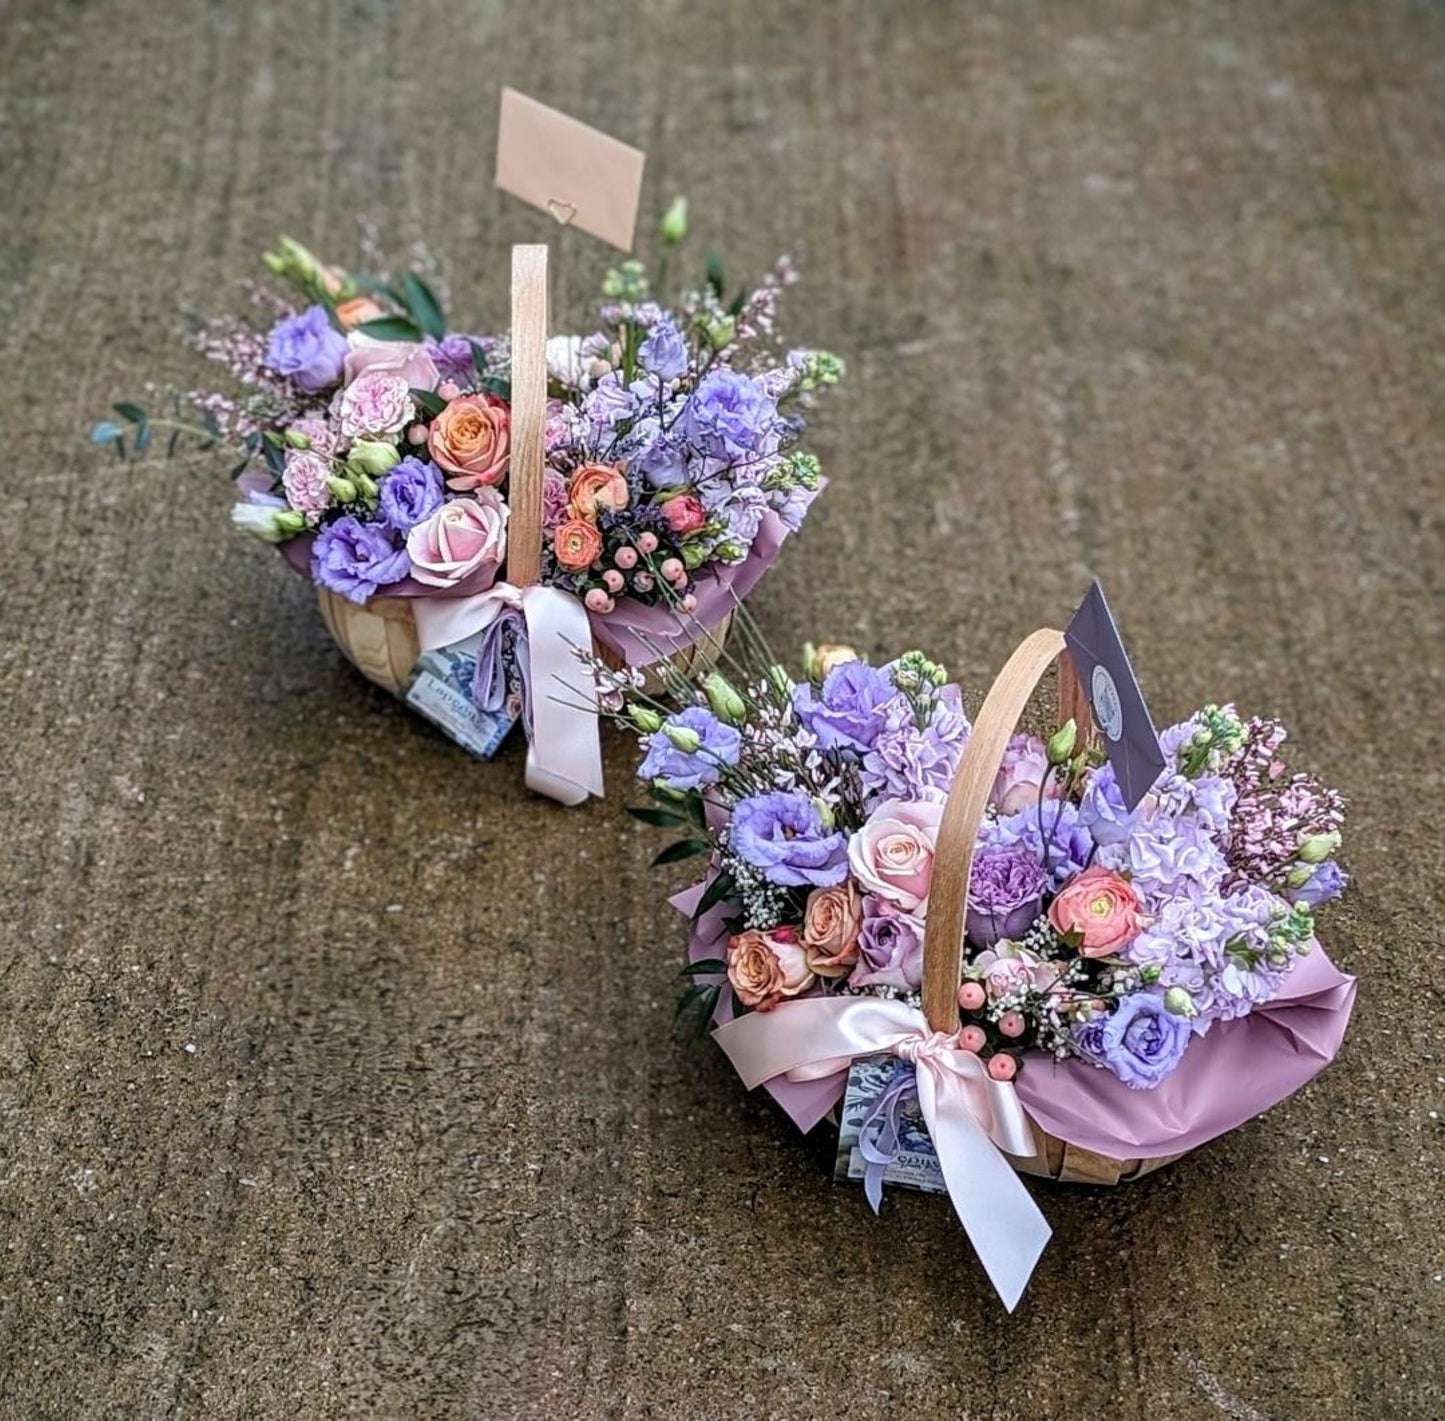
{"points": [[471, 439], [597, 488], [1101, 908], [576, 543]]}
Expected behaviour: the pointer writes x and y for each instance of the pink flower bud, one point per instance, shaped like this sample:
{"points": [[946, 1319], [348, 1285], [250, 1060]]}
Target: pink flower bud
{"points": [[971, 996], [972, 1038], [689, 603], [416, 434]]}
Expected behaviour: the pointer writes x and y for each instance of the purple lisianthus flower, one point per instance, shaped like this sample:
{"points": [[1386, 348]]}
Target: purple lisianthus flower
{"points": [[847, 710], [1005, 893], [610, 403], [1070, 843], [410, 494], [784, 837], [1088, 1038], [664, 352], [1142, 1042], [1102, 807], [1327, 881], [718, 746], [729, 416], [452, 356], [890, 947], [307, 349], [661, 463], [353, 558]]}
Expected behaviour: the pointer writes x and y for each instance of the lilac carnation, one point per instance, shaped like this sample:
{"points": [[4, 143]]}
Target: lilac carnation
{"points": [[847, 710], [353, 558], [908, 763], [719, 745], [1005, 893], [728, 416], [783, 836], [307, 349], [664, 352], [890, 947], [410, 494], [1141, 1042], [452, 356]]}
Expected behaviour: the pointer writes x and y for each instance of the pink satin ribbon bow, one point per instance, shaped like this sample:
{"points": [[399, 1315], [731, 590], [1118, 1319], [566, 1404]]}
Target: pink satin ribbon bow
{"points": [[564, 752], [971, 1118]]}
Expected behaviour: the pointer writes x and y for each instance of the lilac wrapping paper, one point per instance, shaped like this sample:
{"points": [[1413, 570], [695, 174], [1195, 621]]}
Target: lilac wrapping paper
{"points": [[632, 630], [1240, 1069]]}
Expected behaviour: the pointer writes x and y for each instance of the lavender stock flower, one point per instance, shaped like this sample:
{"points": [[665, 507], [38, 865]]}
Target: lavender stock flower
{"points": [[353, 558], [783, 836], [307, 349]]}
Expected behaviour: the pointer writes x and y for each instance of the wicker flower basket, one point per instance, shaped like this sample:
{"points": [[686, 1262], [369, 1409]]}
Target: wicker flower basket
{"points": [[380, 639]]}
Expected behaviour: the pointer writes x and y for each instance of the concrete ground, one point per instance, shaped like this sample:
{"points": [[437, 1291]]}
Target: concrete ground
{"points": [[337, 1074]]}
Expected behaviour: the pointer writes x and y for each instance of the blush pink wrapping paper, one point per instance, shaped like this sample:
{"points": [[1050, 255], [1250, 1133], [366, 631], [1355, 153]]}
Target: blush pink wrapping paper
{"points": [[631, 630], [1240, 1069]]}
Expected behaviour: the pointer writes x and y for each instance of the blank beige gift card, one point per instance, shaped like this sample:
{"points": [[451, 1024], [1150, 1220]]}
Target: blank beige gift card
{"points": [[582, 177]]}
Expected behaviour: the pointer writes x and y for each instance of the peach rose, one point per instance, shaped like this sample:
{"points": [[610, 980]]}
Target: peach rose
{"points": [[831, 923], [472, 440], [389, 357], [460, 538], [576, 543], [1101, 909], [892, 854], [595, 488], [358, 309], [766, 968]]}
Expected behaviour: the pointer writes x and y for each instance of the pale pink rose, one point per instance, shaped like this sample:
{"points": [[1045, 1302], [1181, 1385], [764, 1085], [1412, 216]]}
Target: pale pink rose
{"points": [[831, 923], [304, 480], [402, 358], [1006, 967], [460, 538], [376, 403], [324, 439], [1025, 763], [766, 968], [685, 513], [1101, 909], [892, 854]]}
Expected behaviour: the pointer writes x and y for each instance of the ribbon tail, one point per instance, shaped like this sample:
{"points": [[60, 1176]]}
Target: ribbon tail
{"points": [[999, 1215], [564, 754]]}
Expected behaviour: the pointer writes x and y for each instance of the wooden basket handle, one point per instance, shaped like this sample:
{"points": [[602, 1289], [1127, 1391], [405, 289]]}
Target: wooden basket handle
{"points": [[967, 802], [529, 414]]}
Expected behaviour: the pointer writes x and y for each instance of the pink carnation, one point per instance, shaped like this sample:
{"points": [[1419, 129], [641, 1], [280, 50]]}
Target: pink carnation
{"points": [[304, 480], [376, 403]]}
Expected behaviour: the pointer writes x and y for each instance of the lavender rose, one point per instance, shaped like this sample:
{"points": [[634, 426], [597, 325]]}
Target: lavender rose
{"points": [[410, 494], [307, 349], [1142, 1042], [890, 947], [353, 558], [1005, 893], [690, 750], [848, 709], [784, 836]]}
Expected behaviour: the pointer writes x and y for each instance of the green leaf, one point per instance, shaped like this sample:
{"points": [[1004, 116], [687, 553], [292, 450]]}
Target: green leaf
{"points": [[106, 432], [430, 404], [241, 468], [701, 998], [683, 849], [421, 301], [127, 411], [705, 967], [495, 385], [120, 447], [390, 328], [658, 818], [715, 274], [479, 357], [718, 891]]}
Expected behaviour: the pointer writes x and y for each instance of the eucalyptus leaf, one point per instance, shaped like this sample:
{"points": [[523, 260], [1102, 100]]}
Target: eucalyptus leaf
{"points": [[658, 818], [683, 849], [705, 967], [428, 402]]}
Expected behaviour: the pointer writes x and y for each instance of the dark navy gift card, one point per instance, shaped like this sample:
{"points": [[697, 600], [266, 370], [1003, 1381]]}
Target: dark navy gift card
{"points": [[1120, 714]]}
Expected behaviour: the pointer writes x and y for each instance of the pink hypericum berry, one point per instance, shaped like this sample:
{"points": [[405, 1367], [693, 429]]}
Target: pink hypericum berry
{"points": [[416, 434], [673, 570], [625, 558], [1002, 1067], [643, 582], [449, 390], [598, 601], [613, 579], [647, 542], [689, 603], [972, 1038], [971, 996], [1011, 1023]]}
